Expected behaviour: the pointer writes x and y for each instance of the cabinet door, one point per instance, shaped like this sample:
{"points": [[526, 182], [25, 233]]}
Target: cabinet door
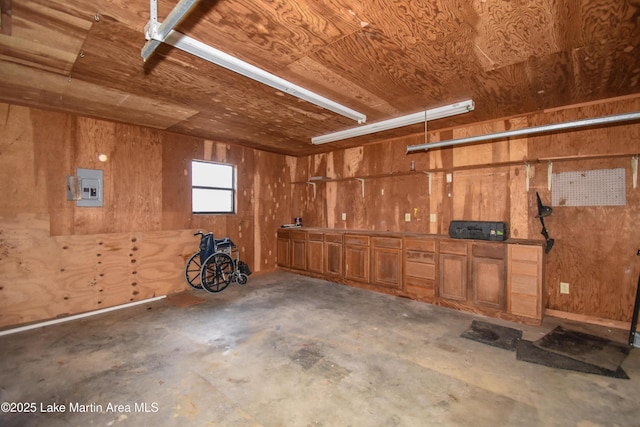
{"points": [[284, 253], [333, 259], [387, 261], [452, 283], [356, 261], [488, 275], [387, 267], [488, 282], [315, 261], [299, 254]]}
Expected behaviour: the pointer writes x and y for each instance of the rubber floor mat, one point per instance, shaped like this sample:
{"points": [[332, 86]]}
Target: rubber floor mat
{"points": [[583, 347], [493, 335], [528, 352]]}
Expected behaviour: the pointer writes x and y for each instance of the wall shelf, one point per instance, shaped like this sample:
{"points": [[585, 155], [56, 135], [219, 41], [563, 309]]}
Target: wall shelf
{"points": [[523, 162]]}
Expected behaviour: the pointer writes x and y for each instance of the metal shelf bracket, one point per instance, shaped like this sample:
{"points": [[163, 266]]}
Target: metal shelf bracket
{"points": [[361, 185], [313, 184], [429, 175]]}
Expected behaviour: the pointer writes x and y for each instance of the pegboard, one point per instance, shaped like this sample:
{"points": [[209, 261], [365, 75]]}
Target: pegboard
{"points": [[602, 187]]}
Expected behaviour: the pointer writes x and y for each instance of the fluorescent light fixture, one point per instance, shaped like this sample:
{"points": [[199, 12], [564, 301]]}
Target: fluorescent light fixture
{"points": [[433, 114], [164, 33], [236, 65], [606, 120]]}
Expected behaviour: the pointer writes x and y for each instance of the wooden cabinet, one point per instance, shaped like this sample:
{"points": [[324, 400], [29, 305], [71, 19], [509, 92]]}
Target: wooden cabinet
{"points": [[315, 252], [333, 254], [387, 262], [284, 249], [298, 249], [525, 278], [356, 257], [489, 278], [473, 272], [420, 266], [452, 283]]}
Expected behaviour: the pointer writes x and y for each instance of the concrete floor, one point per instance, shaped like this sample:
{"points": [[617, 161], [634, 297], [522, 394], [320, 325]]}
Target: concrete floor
{"points": [[287, 350]]}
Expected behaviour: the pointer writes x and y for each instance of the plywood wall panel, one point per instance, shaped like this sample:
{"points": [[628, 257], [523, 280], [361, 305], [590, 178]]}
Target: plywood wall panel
{"points": [[156, 262], [59, 259], [520, 213], [177, 154], [132, 177], [595, 250], [19, 176], [481, 195], [43, 277], [53, 136]]}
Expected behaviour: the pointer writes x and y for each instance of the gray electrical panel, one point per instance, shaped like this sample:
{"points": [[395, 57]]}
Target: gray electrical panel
{"points": [[86, 187]]}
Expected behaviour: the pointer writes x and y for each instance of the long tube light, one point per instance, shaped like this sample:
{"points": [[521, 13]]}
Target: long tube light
{"points": [[528, 131], [157, 33], [433, 114], [236, 65]]}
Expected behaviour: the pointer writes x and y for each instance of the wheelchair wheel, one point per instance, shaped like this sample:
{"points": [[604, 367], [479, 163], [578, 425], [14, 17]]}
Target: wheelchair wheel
{"points": [[242, 279], [192, 271], [217, 272]]}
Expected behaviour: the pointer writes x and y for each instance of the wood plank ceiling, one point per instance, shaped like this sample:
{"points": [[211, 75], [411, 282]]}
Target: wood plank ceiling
{"points": [[384, 58]]}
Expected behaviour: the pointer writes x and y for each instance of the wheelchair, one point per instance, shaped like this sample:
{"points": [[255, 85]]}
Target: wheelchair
{"points": [[215, 265]]}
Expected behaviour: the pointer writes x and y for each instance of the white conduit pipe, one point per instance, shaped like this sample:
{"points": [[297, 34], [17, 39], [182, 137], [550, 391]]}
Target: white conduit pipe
{"points": [[76, 316], [528, 131]]}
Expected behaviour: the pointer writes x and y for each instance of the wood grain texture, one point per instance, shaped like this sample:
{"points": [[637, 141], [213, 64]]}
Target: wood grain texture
{"points": [[44, 277], [599, 263], [59, 259], [384, 58], [45, 35]]}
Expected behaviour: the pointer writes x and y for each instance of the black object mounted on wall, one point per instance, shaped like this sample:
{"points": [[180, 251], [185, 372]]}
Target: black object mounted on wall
{"points": [[544, 211]]}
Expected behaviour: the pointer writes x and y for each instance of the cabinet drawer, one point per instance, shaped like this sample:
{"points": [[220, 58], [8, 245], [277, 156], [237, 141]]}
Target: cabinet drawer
{"points": [[425, 271], [419, 286], [333, 238], [283, 234], [352, 239], [453, 247], [420, 257], [387, 242], [427, 245], [314, 236], [487, 250], [298, 235], [525, 253]]}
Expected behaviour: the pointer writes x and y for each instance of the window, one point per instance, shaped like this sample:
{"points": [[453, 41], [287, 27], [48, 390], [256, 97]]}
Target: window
{"points": [[213, 187]]}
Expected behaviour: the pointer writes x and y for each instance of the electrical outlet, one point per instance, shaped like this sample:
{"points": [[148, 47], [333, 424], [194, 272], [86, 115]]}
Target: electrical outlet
{"points": [[344, 216], [449, 178], [407, 217], [432, 218], [564, 287]]}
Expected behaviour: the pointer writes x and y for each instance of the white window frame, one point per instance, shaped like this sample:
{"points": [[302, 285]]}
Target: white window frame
{"points": [[212, 187]]}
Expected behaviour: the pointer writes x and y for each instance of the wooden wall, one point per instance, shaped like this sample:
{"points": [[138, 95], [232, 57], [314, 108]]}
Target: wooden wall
{"points": [[57, 259], [595, 247]]}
